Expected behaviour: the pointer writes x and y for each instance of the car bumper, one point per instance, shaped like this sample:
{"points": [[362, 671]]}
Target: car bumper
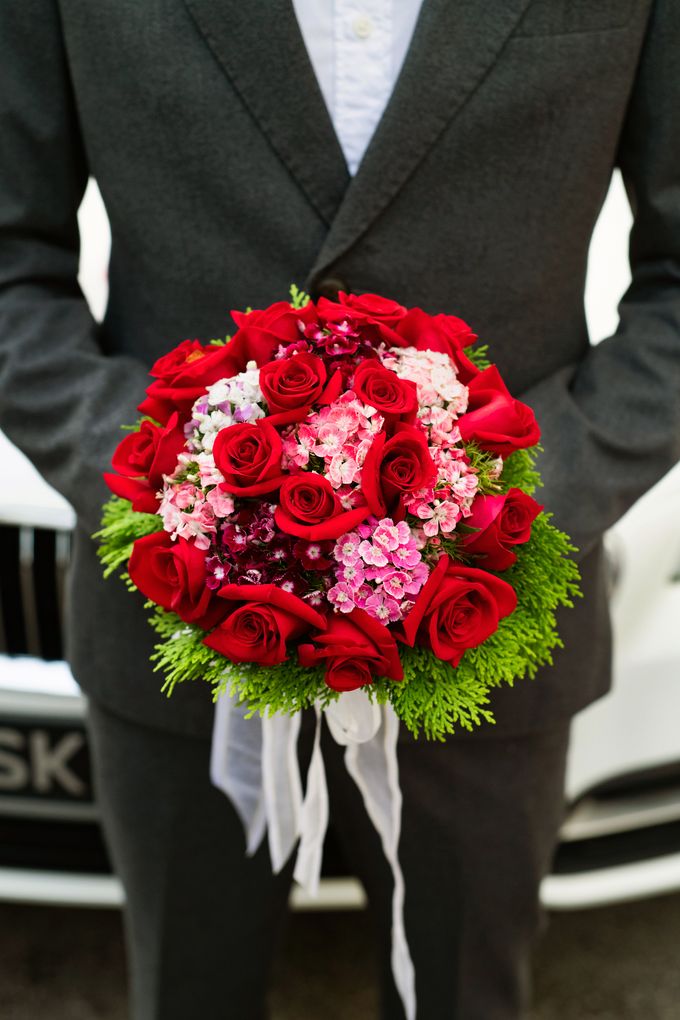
{"points": [[596, 863]]}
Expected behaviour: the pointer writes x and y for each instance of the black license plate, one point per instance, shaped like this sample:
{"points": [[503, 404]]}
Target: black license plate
{"points": [[43, 762]]}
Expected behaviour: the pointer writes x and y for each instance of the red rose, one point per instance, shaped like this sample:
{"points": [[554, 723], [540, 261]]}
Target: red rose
{"points": [[458, 608], [137, 491], [395, 467], [151, 452], [435, 332], [142, 458], [292, 383], [249, 457], [263, 620], [494, 419], [372, 316], [501, 522], [184, 374], [355, 648], [172, 574], [280, 320], [309, 498], [310, 509], [444, 333], [373, 307], [171, 365], [395, 398], [261, 332]]}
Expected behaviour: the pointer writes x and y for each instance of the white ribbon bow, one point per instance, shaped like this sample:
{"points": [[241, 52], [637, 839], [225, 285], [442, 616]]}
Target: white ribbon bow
{"points": [[254, 762]]}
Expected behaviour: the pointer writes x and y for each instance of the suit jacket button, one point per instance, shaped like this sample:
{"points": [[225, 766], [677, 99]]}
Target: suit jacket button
{"points": [[329, 287]]}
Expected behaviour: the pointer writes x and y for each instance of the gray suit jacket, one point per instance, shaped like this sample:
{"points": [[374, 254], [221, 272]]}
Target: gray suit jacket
{"points": [[204, 126]]}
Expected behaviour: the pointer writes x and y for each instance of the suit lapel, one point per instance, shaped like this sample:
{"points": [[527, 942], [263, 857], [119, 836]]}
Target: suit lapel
{"points": [[259, 46], [454, 46]]}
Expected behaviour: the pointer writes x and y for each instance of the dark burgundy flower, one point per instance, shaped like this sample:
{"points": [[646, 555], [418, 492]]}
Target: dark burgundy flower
{"points": [[314, 555]]}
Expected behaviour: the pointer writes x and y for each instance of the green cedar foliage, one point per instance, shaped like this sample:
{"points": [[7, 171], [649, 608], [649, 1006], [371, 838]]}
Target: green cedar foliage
{"points": [[434, 698], [121, 527]]}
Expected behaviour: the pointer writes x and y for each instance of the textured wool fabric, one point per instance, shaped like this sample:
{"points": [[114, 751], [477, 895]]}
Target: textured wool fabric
{"points": [[479, 824], [204, 125]]}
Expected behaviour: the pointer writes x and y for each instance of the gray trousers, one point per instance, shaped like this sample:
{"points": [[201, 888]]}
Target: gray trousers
{"points": [[480, 819]]}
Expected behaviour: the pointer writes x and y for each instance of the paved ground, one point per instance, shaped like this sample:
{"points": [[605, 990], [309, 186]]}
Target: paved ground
{"points": [[622, 963]]}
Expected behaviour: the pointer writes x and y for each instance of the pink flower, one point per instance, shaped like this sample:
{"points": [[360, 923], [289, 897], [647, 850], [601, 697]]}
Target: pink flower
{"points": [[404, 533], [353, 575], [383, 608], [207, 471], [394, 583], [221, 502], [294, 454], [443, 516], [342, 470], [416, 499], [466, 487], [330, 441], [185, 495], [345, 417], [406, 556], [387, 535], [372, 554], [346, 549], [342, 597], [361, 595], [420, 574]]}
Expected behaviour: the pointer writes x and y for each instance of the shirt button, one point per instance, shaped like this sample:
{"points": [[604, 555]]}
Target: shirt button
{"points": [[363, 27]]}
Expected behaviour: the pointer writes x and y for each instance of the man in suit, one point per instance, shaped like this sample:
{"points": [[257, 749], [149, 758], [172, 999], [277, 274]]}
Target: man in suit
{"points": [[224, 179]]}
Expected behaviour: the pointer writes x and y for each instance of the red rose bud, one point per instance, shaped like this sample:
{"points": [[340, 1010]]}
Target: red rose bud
{"points": [[500, 522], [458, 608], [292, 383], [494, 420], [395, 467], [396, 399], [172, 574], [150, 452], [263, 619], [310, 509], [249, 457], [355, 649]]}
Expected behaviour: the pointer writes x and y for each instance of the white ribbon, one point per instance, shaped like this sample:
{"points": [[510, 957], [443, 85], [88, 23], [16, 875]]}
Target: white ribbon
{"points": [[254, 762]]}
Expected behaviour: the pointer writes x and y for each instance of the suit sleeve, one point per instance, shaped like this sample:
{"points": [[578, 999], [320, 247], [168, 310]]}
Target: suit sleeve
{"points": [[611, 424], [62, 399]]}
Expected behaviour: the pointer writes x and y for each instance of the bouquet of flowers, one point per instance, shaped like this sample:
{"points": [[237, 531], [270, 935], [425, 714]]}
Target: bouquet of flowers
{"points": [[339, 497]]}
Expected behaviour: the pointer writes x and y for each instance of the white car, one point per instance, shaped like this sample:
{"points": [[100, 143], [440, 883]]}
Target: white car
{"points": [[621, 837]]}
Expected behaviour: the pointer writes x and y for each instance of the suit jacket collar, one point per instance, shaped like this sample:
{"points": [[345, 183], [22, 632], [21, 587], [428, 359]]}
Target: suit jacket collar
{"points": [[260, 47]]}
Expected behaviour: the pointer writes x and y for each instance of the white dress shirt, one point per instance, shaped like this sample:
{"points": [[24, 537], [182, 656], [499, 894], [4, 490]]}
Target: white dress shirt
{"points": [[356, 48]]}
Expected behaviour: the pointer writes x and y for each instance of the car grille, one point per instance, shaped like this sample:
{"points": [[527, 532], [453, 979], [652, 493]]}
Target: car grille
{"points": [[52, 845], [33, 563]]}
